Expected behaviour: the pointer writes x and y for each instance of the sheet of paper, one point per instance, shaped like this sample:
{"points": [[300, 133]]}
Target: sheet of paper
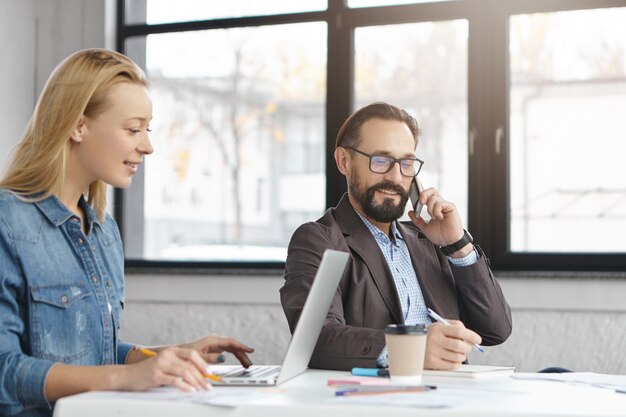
{"points": [[218, 396], [442, 397], [615, 382]]}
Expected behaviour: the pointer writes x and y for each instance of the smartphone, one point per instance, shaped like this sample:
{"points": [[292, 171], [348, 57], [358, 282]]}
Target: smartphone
{"points": [[415, 190]]}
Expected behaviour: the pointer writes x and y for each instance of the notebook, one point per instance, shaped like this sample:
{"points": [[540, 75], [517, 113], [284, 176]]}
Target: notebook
{"points": [[305, 335], [473, 372]]}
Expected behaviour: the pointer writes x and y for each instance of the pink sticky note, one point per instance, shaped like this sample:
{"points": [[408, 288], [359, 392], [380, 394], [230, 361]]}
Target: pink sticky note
{"points": [[359, 380]]}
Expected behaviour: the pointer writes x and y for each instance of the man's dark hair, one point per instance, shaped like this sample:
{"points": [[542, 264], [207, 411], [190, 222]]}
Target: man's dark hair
{"points": [[348, 135]]}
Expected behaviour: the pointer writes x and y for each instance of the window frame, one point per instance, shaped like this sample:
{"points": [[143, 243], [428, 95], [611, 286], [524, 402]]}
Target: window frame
{"points": [[488, 89]]}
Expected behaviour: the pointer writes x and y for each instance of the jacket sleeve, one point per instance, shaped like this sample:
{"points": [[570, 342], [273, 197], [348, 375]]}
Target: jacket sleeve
{"points": [[22, 377], [339, 346], [482, 305]]}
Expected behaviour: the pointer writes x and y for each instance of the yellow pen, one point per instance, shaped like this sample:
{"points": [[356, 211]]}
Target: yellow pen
{"points": [[213, 377], [146, 351]]}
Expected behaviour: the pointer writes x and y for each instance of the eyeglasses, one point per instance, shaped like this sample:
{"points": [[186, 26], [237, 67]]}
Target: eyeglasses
{"points": [[381, 164]]}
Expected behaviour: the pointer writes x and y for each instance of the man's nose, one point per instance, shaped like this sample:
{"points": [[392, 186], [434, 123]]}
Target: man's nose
{"points": [[395, 173]]}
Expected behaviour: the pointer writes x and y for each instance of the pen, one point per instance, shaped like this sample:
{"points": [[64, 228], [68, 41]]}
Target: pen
{"points": [[377, 390], [146, 351], [440, 319], [370, 372], [213, 377]]}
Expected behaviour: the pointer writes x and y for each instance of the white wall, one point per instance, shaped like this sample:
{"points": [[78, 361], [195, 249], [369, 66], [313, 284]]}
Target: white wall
{"points": [[35, 36], [564, 319], [572, 320], [17, 72]]}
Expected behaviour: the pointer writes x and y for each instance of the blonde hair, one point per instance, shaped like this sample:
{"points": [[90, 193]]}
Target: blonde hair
{"points": [[77, 87]]}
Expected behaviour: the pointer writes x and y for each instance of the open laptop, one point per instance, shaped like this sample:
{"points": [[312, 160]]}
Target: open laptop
{"points": [[304, 337]]}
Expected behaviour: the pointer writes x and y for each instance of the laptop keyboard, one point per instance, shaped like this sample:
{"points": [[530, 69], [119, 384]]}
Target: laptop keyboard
{"points": [[254, 372]]}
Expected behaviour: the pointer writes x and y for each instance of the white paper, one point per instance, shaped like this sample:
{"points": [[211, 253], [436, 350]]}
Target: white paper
{"points": [[614, 382], [218, 396], [442, 397]]}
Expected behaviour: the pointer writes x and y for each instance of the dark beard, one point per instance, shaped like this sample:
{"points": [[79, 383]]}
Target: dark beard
{"points": [[385, 212]]}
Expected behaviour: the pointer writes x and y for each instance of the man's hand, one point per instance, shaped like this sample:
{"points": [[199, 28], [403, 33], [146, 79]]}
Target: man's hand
{"points": [[445, 226], [447, 346]]}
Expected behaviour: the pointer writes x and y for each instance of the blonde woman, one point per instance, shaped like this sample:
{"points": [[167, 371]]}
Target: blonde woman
{"points": [[61, 259]]}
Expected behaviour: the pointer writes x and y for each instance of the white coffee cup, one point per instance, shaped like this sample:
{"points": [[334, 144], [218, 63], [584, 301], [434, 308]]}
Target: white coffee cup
{"points": [[406, 348]]}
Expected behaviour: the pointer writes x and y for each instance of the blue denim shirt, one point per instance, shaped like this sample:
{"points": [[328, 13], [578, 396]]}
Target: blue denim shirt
{"points": [[61, 296]]}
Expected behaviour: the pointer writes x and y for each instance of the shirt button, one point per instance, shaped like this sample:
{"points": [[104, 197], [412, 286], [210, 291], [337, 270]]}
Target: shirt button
{"points": [[94, 279], [64, 299], [109, 283]]}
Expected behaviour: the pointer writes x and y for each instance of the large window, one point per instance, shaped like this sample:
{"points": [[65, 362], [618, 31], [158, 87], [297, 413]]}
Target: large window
{"points": [[567, 109], [520, 105]]}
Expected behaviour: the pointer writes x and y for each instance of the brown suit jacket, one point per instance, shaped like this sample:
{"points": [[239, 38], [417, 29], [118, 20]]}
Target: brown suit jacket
{"points": [[366, 299]]}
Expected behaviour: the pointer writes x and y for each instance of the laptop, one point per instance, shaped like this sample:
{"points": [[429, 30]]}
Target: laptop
{"points": [[304, 337]]}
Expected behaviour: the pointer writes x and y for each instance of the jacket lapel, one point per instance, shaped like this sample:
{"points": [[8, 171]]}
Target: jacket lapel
{"points": [[362, 243]]}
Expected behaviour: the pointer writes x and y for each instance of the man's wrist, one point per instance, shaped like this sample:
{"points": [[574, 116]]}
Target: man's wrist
{"points": [[463, 252], [467, 260], [463, 244]]}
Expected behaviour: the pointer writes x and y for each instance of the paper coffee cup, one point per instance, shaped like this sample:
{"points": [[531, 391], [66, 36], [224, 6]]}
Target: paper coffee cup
{"points": [[406, 348]]}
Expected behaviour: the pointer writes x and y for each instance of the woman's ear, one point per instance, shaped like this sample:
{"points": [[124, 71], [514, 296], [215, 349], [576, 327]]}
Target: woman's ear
{"points": [[342, 159], [79, 131]]}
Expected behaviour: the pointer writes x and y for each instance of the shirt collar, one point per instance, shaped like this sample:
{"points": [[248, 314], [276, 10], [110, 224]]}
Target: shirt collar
{"points": [[58, 214], [379, 234]]}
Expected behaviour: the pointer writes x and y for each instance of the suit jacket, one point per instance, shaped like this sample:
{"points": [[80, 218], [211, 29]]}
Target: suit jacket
{"points": [[366, 299]]}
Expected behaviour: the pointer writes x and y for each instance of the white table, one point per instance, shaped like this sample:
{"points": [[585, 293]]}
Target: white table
{"points": [[309, 395]]}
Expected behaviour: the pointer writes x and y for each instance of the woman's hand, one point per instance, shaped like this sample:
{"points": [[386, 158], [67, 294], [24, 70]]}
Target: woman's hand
{"points": [[211, 348], [179, 367]]}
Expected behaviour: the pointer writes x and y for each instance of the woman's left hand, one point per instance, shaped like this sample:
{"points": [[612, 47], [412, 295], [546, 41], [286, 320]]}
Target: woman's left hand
{"points": [[212, 347]]}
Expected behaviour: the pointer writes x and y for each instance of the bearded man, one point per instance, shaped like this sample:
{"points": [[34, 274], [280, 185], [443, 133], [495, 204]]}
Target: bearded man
{"points": [[397, 270]]}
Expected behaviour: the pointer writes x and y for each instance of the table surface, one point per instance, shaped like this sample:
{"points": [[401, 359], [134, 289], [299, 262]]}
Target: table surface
{"points": [[309, 395]]}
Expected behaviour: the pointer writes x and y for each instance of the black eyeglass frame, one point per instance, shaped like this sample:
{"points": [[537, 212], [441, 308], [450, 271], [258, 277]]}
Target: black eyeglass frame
{"points": [[393, 162]]}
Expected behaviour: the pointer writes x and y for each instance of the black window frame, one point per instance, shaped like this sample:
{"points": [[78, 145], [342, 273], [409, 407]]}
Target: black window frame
{"points": [[488, 87]]}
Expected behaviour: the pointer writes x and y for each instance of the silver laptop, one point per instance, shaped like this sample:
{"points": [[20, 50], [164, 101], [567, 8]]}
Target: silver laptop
{"points": [[304, 337]]}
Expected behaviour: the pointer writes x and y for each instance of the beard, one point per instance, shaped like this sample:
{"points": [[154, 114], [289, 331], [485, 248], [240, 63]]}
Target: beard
{"points": [[387, 211]]}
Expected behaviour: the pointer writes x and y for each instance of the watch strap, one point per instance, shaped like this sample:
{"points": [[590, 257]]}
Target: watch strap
{"points": [[459, 244]]}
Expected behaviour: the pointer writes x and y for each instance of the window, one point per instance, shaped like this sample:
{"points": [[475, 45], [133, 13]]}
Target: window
{"points": [[560, 146], [422, 67], [239, 131], [519, 103], [567, 102]]}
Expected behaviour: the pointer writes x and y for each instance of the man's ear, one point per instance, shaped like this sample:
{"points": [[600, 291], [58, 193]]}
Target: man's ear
{"points": [[342, 159], [79, 131]]}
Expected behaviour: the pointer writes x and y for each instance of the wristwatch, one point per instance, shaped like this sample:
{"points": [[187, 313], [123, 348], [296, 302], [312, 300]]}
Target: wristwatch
{"points": [[450, 249]]}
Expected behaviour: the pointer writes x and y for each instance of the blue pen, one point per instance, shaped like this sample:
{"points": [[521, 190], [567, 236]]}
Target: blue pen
{"points": [[370, 372], [440, 319]]}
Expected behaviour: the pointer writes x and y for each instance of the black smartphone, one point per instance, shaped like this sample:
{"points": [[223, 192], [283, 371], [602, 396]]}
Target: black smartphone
{"points": [[414, 194]]}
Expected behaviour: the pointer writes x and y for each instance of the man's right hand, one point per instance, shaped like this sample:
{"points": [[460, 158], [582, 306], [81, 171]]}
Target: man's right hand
{"points": [[447, 346]]}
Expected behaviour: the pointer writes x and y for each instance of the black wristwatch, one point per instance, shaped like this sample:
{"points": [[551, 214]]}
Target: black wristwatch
{"points": [[450, 249]]}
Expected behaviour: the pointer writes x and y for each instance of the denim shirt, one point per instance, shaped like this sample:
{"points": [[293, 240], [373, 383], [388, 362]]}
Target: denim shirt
{"points": [[61, 296]]}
